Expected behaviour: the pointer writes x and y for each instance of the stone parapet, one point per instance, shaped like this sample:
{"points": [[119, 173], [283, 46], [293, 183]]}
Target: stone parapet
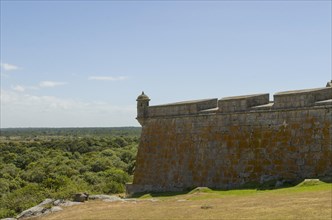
{"points": [[182, 108], [247, 103], [301, 98], [242, 103]]}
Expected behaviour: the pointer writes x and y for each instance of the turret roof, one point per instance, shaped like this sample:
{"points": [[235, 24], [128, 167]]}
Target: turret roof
{"points": [[142, 97]]}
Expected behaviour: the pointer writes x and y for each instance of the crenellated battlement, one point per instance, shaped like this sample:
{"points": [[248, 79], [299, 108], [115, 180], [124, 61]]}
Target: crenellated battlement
{"points": [[242, 103], [302, 98], [182, 108], [246, 103]]}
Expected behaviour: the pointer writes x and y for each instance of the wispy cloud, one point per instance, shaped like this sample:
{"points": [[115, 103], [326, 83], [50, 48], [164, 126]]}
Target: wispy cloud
{"points": [[45, 84], [8, 67], [42, 84], [108, 78], [25, 110], [18, 88]]}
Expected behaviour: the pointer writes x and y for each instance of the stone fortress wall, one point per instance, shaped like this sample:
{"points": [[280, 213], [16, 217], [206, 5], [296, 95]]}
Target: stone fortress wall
{"points": [[232, 141]]}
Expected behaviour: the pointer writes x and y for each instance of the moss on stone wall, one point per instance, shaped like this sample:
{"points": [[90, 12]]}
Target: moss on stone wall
{"points": [[229, 150]]}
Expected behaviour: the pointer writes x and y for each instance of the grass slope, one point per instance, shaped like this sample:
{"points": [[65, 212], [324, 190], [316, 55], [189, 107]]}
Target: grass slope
{"points": [[305, 201]]}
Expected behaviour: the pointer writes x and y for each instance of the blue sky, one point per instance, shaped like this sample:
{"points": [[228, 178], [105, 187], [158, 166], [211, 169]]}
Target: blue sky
{"points": [[83, 63]]}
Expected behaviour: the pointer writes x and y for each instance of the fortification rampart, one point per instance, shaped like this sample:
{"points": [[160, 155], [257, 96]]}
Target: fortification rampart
{"points": [[233, 141], [242, 103], [301, 98], [182, 108]]}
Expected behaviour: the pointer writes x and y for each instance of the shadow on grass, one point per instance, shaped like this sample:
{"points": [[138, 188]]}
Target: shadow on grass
{"points": [[326, 179], [159, 194], [269, 185], [249, 186]]}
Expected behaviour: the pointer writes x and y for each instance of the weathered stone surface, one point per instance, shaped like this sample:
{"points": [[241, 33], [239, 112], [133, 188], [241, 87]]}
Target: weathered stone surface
{"points": [[58, 202], [36, 210], [33, 211], [105, 197], [69, 203], [46, 202], [56, 209], [228, 149], [80, 197], [46, 207]]}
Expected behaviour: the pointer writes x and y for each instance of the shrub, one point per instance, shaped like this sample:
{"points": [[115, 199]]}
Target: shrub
{"points": [[23, 198], [6, 213]]}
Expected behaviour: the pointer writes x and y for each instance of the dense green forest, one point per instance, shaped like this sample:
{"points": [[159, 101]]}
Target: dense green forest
{"points": [[39, 163], [77, 132]]}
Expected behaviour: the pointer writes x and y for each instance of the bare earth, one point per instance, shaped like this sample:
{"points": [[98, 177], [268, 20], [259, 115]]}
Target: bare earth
{"points": [[246, 204]]}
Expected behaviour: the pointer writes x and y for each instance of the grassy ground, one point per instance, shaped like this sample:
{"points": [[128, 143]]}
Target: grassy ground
{"points": [[306, 201]]}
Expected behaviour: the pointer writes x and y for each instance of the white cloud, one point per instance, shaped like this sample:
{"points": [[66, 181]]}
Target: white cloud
{"points": [[24, 110], [9, 67], [18, 88], [108, 78], [45, 84]]}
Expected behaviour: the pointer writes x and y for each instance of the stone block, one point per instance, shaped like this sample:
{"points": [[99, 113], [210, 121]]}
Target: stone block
{"points": [[315, 148]]}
